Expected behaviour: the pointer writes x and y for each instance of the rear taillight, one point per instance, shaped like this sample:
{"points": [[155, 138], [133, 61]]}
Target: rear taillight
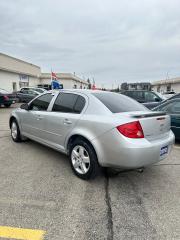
{"points": [[131, 130], [6, 98]]}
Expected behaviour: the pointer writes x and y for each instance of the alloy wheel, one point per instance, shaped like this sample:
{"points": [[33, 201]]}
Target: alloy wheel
{"points": [[80, 159]]}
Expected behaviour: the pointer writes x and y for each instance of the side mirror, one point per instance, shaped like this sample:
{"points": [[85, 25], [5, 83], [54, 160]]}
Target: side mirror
{"points": [[157, 99], [25, 106]]}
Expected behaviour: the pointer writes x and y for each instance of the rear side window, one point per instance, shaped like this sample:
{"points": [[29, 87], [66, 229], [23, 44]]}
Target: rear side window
{"points": [[138, 95], [41, 103], [119, 103], [69, 103], [130, 94], [79, 105], [173, 107]]}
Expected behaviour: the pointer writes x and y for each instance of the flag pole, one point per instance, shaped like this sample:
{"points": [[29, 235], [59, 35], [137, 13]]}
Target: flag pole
{"points": [[51, 80]]}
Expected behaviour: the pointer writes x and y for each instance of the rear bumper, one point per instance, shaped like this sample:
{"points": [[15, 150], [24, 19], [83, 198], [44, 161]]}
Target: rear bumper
{"points": [[122, 152]]}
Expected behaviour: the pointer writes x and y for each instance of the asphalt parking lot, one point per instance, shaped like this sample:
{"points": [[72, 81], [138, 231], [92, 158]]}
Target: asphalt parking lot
{"points": [[39, 192]]}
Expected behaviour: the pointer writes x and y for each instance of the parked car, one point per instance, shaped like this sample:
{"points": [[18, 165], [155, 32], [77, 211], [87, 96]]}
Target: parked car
{"points": [[174, 96], [172, 107], [169, 94], [45, 86], [37, 89], [26, 95], [147, 98], [152, 105], [6, 98], [95, 128]]}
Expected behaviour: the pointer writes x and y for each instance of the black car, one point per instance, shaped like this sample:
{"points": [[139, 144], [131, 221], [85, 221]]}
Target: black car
{"points": [[6, 98], [147, 98]]}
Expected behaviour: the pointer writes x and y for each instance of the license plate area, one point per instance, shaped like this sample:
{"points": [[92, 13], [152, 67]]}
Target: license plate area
{"points": [[163, 151]]}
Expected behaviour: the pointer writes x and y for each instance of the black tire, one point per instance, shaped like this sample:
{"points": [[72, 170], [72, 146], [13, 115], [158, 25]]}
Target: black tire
{"points": [[7, 105], [94, 167], [15, 137]]}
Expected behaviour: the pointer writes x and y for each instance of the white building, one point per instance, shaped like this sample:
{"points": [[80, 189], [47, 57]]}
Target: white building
{"points": [[168, 85], [15, 73], [68, 80]]}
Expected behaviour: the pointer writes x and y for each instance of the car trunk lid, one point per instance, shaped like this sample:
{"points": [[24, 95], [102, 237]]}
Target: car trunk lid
{"points": [[154, 124]]}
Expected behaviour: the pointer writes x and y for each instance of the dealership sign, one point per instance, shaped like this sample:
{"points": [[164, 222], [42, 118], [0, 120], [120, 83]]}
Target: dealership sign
{"points": [[24, 78]]}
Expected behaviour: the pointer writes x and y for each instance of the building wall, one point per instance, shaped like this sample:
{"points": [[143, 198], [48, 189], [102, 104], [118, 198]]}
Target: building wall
{"points": [[67, 83], [8, 80], [18, 66], [15, 73], [163, 87]]}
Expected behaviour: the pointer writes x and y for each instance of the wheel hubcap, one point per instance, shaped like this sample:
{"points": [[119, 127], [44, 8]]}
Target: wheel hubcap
{"points": [[80, 159], [14, 130]]}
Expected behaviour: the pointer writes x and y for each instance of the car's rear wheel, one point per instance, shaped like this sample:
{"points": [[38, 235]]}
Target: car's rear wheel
{"points": [[15, 132], [83, 159]]}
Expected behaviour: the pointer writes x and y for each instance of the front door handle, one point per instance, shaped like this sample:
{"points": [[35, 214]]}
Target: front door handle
{"points": [[67, 121], [39, 117]]}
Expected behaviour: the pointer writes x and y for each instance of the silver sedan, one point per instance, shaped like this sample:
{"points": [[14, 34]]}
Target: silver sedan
{"points": [[95, 128]]}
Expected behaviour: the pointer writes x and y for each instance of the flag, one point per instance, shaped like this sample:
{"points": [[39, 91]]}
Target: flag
{"points": [[55, 84], [94, 85], [53, 75]]}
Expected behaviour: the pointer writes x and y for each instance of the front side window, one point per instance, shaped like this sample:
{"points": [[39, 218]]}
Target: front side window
{"points": [[41, 103], [31, 92], [69, 103], [151, 97]]}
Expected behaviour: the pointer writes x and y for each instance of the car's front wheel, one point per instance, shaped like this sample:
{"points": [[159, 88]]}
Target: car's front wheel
{"points": [[83, 159], [15, 132], [7, 105]]}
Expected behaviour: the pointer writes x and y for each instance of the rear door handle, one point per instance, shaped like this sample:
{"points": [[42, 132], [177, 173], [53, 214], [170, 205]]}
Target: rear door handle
{"points": [[67, 121]]}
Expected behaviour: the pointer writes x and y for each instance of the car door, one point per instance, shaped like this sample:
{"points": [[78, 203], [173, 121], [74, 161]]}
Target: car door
{"points": [[32, 121], [66, 111]]}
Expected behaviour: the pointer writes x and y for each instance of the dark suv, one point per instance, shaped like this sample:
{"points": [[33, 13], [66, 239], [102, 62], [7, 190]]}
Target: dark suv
{"points": [[148, 98]]}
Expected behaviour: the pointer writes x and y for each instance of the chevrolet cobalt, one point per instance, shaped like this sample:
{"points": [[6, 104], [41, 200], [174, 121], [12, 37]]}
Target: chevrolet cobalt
{"points": [[95, 129]]}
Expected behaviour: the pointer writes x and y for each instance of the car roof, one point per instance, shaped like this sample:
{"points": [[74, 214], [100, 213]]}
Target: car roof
{"points": [[85, 91]]}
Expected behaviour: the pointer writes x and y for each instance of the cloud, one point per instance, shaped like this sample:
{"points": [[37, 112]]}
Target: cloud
{"points": [[112, 41]]}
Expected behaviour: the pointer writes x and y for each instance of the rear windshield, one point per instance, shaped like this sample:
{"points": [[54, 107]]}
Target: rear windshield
{"points": [[116, 102]]}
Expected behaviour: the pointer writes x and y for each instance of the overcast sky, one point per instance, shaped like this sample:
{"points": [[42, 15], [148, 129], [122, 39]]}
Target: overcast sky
{"points": [[111, 40]]}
